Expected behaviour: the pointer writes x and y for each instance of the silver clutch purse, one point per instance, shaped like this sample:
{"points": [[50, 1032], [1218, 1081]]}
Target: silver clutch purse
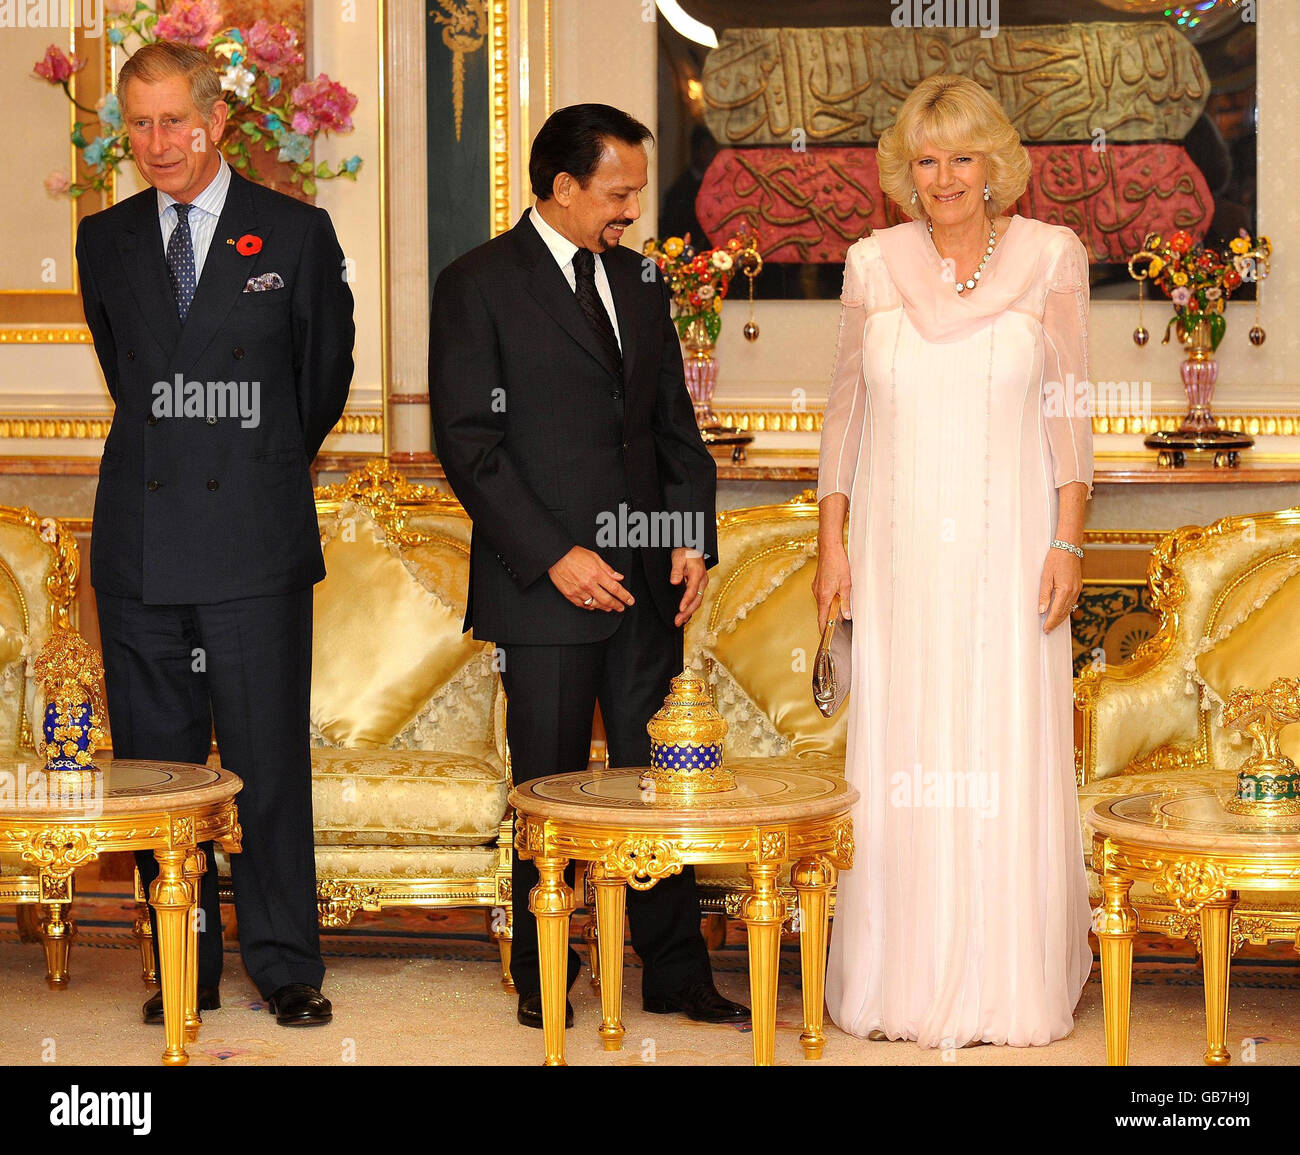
{"points": [[834, 662]]}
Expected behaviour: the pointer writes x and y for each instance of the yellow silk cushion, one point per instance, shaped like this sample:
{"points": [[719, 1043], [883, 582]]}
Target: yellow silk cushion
{"points": [[1263, 647], [760, 654], [382, 643]]}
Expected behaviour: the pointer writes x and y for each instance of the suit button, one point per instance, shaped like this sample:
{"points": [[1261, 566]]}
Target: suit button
{"points": [[617, 395], [213, 483], [237, 352], [212, 418], [624, 444], [152, 485], [151, 419], [130, 354]]}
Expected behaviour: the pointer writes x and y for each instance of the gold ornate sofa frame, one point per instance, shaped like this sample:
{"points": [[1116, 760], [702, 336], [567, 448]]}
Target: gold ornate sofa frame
{"points": [[1144, 726], [39, 568]]}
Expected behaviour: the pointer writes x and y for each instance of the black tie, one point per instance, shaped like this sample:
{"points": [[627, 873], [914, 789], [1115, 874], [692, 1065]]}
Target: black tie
{"points": [[180, 260], [584, 270]]}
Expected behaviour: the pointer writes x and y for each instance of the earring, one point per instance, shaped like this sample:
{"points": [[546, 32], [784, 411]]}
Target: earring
{"points": [[988, 196], [914, 196]]}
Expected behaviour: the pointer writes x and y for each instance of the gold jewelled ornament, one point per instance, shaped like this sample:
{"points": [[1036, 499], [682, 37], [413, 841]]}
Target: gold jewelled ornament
{"points": [[1256, 335], [1268, 782], [1141, 336], [686, 741], [71, 674]]}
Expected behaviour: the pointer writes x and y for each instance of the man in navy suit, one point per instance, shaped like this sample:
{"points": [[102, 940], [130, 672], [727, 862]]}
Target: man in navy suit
{"points": [[560, 410], [222, 321]]}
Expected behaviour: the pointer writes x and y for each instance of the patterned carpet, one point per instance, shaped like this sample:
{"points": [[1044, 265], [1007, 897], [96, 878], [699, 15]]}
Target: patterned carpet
{"points": [[423, 987]]}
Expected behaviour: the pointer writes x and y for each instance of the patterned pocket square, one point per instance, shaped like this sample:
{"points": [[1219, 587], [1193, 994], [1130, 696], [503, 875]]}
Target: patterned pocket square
{"points": [[264, 282]]}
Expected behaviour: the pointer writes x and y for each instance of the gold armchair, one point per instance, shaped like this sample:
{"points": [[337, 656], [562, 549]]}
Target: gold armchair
{"points": [[1146, 725], [39, 566], [410, 769]]}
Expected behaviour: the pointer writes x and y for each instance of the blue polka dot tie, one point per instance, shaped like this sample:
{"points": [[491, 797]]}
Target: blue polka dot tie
{"points": [[180, 260]]}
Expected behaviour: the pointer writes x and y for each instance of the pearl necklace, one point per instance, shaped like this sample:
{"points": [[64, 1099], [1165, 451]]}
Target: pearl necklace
{"points": [[988, 252]]}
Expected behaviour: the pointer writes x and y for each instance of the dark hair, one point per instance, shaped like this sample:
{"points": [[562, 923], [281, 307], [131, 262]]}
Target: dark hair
{"points": [[573, 140]]}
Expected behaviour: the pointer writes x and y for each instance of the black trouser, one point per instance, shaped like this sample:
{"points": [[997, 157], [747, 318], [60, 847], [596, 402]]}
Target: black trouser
{"points": [[172, 674], [552, 692]]}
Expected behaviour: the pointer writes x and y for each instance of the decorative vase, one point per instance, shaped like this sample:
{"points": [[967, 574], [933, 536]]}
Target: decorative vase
{"points": [[1199, 429], [701, 372], [71, 674], [686, 741], [1268, 782]]}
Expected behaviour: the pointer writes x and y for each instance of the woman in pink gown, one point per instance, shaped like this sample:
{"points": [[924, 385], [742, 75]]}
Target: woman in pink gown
{"points": [[957, 441]]}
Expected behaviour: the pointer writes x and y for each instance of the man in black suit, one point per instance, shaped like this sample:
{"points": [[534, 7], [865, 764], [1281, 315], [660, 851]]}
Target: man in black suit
{"points": [[560, 410], [223, 324]]}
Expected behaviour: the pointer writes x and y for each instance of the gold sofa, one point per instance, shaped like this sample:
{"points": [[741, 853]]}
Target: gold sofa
{"points": [[39, 564], [410, 769], [1148, 724]]}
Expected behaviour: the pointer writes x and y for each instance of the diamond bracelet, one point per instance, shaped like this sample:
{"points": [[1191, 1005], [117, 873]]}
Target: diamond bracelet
{"points": [[1074, 549]]}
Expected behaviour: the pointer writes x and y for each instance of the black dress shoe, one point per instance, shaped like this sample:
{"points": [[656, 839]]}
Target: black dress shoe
{"points": [[530, 1011], [209, 1000], [701, 1002], [299, 1005]]}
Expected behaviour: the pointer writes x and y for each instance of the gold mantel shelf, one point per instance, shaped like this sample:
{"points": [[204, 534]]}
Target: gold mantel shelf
{"points": [[771, 466]]}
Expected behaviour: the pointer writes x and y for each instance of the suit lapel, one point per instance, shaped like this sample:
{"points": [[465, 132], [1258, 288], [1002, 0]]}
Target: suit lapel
{"points": [[225, 272], [140, 246], [550, 288]]}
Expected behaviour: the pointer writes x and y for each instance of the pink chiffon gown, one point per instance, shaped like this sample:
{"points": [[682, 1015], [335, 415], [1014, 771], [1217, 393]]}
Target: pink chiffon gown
{"points": [[951, 422]]}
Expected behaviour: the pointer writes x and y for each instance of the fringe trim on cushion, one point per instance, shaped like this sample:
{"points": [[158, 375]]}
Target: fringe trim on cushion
{"points": [[450, 711], [748, 723], [796, 563]]}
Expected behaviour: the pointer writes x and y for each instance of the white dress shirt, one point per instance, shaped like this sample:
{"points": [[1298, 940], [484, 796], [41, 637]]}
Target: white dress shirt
{"points": [[563, 250], [205, 211]]}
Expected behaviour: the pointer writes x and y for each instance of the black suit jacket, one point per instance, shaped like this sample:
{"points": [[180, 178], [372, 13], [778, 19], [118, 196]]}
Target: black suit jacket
{"points": [[540, 438], [211, 507]]}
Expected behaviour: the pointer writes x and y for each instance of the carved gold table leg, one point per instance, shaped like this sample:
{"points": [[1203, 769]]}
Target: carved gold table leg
{"points": [[195, 865], [551, 902], [1216, 961], [172, 899], [57, 932], [1116, 930], [142, 928], [813, 879], [763, 913], [611, 901]]}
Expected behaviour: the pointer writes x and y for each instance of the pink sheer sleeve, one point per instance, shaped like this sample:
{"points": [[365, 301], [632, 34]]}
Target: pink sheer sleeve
{"points": [[1067, 389], [846, 403]]}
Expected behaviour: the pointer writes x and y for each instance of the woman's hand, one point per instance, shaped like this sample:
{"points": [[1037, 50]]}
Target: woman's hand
{"points": [[832, 578], [1058, 592]]}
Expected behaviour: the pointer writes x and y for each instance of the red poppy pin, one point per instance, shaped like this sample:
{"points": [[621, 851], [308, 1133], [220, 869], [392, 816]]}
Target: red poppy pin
{"points": [[248, 244]]}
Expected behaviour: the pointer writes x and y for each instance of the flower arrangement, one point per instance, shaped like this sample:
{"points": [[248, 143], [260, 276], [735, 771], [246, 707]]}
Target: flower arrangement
{"points": [[1199, 280], [251, 61], [699, 279]]}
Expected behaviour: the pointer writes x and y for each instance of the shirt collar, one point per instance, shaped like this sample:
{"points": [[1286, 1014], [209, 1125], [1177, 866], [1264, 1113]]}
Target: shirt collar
{"points": [[210, 200], [562, 249]]}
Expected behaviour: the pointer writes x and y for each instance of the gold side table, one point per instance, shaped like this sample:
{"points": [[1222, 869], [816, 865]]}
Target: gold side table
{"points": [[1198, 856], [782, 810], [61, 821]]}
